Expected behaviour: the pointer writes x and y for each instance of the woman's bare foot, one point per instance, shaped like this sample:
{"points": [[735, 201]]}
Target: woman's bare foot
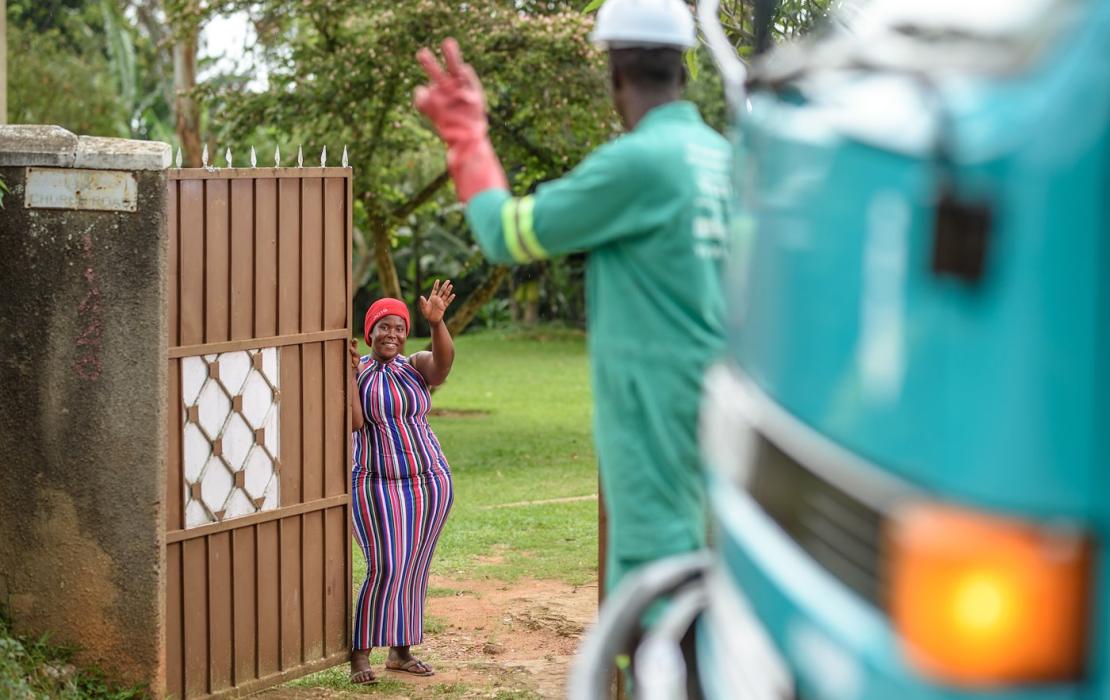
{"points": [[361, 672], [400, 659]]}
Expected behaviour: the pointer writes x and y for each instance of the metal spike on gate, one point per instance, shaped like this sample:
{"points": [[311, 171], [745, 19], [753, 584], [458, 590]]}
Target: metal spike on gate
{"points": [[324, 157], [300, 157], [204, 156], [227, 156], [177, 160], [344, 156], [254, 158], [277, 156]]}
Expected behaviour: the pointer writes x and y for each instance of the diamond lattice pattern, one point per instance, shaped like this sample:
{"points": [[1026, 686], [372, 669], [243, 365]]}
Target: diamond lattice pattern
{"points": [[230, 434]]}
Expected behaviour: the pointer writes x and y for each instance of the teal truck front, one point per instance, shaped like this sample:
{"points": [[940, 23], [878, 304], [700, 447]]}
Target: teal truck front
{"points": [[908, 440]]}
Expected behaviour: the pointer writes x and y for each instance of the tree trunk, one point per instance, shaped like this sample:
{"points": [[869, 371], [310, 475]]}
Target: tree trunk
{"points": [[362, 259], [383, 255], [478, 298], [381, 223], [419, 325], [514, 305], [528, 297], [151, 17], [186, 110]]}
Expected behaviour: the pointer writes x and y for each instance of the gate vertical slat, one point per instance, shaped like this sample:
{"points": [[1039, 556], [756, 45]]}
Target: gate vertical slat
{"points": [[174, 479], [312, 255], [194, 566], [335, 376], [289, 255], [172, 223], [242, 259], [219, 610], [175, 672], [191, 262], [313, 583], [312, 387], [173, 498], [292, 608], [269, 606], [265, 258], [216, 250], [291, 433], [336, 585], [335, 253], [348, 460], [244, 603]]}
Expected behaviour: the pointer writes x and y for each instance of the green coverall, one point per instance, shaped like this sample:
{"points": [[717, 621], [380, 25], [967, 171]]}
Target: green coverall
{"points": [[651, 208]]}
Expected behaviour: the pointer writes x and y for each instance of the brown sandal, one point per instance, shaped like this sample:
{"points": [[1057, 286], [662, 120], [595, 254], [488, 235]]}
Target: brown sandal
{"points": [[365, 675], [413, 666]]}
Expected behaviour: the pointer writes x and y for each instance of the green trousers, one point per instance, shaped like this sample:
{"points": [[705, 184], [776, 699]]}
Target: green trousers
{"points": [[645, 429]]}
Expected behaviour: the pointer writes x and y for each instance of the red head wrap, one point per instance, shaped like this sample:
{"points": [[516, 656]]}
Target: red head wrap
{"points": [[382, 308]]}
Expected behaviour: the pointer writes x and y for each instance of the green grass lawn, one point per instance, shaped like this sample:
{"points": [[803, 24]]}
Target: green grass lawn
{"points": [[514, 421]]}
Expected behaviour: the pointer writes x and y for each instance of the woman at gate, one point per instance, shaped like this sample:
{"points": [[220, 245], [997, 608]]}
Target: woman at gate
{"points": [[401, 483]]}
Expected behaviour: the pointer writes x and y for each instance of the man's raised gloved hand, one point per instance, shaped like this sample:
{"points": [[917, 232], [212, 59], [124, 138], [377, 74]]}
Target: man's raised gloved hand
{"points": [[456, 104]]}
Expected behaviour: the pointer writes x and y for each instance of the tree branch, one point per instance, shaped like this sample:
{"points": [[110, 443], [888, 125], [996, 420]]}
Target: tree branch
{"points": [[414, 202], [502, 124], [379, 126]]}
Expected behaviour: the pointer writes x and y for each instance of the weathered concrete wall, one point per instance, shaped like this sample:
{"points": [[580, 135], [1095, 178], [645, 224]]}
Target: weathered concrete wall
{"points": [[82, 405]]}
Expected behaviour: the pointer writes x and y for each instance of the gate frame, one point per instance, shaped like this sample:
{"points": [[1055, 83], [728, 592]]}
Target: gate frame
{"points": [[175, 533]]}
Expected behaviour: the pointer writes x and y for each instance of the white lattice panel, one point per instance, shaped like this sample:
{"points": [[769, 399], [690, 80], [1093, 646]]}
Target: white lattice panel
{"points": [[230, 434]]}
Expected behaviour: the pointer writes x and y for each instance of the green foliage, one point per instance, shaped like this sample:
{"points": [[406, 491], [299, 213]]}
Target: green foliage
{"points": [[508, 450], [3, 191], [70, 18], [81, 65], [344, 71], [792, 19], [31, 669], [60, 75]]}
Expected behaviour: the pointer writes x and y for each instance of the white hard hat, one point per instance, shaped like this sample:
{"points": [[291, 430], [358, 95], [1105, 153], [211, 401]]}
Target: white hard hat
{"points": [[644, 23]]}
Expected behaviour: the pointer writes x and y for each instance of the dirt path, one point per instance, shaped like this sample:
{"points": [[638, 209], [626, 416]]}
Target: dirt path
{"points": [[486, 639]]}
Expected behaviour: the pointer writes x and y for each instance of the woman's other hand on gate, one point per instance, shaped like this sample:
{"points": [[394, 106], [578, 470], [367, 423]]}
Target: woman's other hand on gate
{"points": [[356, 357], [357, 418], [435, 304]]}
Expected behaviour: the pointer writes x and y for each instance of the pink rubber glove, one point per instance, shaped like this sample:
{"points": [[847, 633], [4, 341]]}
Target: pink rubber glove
{"points": [[456, 104]]}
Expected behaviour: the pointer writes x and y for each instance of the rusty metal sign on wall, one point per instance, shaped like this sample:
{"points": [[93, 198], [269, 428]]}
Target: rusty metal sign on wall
{"points": [[71, 188], [258, 555]]}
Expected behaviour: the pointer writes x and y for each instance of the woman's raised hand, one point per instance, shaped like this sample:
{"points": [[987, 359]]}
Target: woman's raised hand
{"points": [[435, 304]]}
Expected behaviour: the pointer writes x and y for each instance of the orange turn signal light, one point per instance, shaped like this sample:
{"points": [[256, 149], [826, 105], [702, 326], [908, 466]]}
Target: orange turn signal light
{"points": [[987, 600]]}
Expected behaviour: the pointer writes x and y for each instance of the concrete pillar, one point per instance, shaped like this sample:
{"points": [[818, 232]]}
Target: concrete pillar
{"points": [[83, 394]]}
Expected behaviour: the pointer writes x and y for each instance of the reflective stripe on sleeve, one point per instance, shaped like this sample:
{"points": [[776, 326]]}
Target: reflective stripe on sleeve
{"points": [[517, 225]]}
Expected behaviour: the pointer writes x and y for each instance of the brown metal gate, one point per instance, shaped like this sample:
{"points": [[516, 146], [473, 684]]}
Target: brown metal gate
{"points": [[258, 555]]}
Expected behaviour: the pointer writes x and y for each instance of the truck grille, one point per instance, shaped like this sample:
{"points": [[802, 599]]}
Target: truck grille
{"points": [[841, 533]]}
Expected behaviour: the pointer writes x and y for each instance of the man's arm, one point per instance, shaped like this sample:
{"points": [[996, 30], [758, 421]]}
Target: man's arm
{"points": [[600, 201], [609, 196]]}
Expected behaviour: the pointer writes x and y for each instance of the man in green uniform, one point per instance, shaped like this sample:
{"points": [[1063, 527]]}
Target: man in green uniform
{"points": [[650, 209]]}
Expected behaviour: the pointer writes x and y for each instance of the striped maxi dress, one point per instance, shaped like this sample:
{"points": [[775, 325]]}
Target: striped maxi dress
{"points": [[401, 493]]}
